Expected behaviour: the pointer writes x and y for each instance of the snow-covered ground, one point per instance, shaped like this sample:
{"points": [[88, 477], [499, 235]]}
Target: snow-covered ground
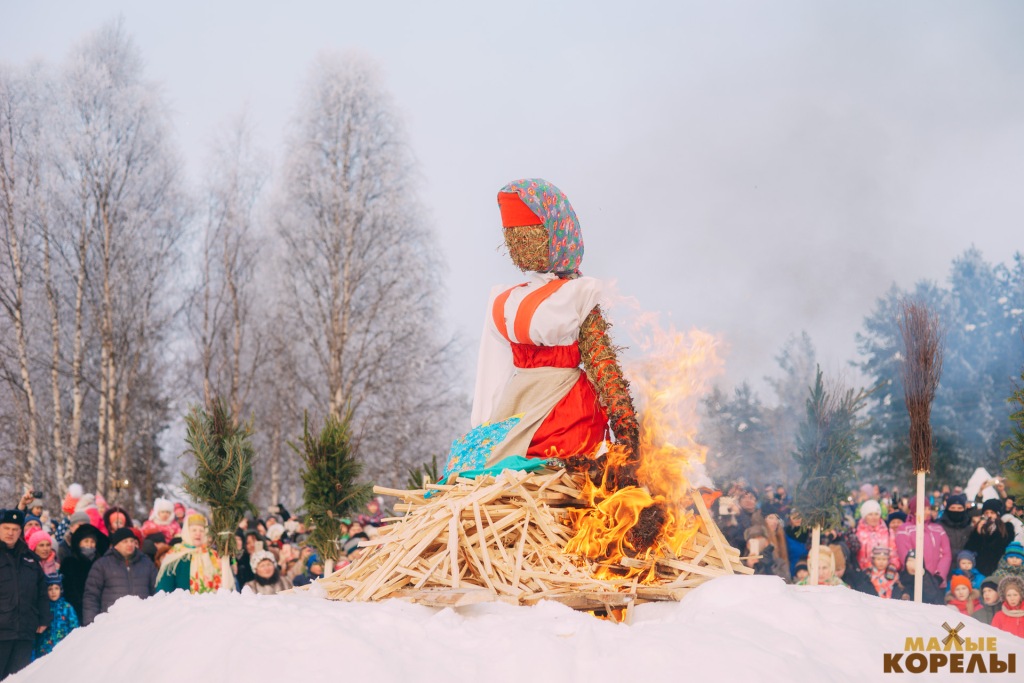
{"points": [[730, 629]]}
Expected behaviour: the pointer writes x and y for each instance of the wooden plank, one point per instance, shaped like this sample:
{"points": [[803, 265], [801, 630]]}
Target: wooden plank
{"points": [[712, 528]]}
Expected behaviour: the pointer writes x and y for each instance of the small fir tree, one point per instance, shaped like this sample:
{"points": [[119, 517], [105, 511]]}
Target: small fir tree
{"points": [[428, 470], [1014, 445], [223, 478], [828, 445], [330, 491]]}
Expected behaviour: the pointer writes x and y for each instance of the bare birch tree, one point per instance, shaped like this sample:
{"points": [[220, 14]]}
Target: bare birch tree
{"points": [[360, 270], [223, 313]]}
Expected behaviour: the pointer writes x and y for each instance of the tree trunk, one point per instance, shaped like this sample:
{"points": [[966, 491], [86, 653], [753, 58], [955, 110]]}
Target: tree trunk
{"points": [[59, 453]]}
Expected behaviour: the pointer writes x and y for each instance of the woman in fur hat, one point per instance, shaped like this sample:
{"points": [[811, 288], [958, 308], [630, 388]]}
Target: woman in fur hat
{"points": [[191, 565], [532, 398], [1010, 617], [268, 579], [87, 544]]}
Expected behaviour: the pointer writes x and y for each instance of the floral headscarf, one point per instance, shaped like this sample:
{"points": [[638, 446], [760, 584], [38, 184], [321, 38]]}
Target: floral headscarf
{"points": [[565, 239]]}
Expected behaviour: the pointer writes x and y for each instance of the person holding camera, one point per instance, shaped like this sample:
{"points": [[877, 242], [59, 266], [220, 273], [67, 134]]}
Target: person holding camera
{"points": [[989, 537]]}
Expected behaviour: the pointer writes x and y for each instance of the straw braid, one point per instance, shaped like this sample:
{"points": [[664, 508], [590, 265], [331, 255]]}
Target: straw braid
{"points": [[600, 361]]}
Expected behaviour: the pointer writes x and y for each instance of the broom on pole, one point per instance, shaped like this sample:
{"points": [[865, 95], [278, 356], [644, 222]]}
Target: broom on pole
{"points": [[922, 368]]}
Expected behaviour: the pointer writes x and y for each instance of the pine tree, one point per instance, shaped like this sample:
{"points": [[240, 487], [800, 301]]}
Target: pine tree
{"points": [[1014, 444], [329, 479], [828, 446], [223, 477]]}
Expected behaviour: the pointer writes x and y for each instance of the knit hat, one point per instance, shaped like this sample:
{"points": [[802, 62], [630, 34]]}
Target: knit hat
{"points": [[802, 564], [313, 559], [261, 555], [1015, 549], [36, 503], [957, 499], [275, 532], [179, 506], [32, 518], [12, 517], [54, 579], [75, 492], [162, 505], [995, 505], [79, 518], [755, 531], [870, 506], [38, 537], [85, 502], [990, 582], [880, 550], [959, 580], [896, 514], [121, 534], [967, 555]]}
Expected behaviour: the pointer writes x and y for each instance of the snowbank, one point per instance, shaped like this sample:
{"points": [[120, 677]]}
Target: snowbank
{"points": [[733, 628]]}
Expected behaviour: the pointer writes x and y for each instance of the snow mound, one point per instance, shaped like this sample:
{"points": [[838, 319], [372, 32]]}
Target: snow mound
{"points": [[732, 628]]}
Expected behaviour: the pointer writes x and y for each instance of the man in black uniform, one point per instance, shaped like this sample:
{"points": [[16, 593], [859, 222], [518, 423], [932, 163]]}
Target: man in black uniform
{"points": [[24, 605]]}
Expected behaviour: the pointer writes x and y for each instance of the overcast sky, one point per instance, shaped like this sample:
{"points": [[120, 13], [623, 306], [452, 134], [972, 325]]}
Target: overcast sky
{"points": [[750, 168]]}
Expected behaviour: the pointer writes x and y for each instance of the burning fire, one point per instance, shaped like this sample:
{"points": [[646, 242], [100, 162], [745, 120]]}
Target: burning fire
{"points": [[637, 503]]}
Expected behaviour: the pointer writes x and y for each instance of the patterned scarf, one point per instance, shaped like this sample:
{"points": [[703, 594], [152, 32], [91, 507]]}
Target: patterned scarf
{"points": [[565, 245], [204, 567]]}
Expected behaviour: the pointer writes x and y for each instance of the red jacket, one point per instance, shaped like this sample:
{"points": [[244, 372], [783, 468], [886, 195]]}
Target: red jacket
{"points": [[1004, 621]]}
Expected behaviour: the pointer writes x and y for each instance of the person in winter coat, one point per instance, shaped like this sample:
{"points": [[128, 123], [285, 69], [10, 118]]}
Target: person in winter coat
{"points": [[162, 520], [122, 571], [1012, 562], [962, 596], [24, 605], [826, 570], [253, 543], [268, 579], [956, 522], [882, 576], [931, 588], [191, 565], [796, 541], [63, 619], [937, 553], [41, 544], [87, 544], [989, 537], [314, 571], [1010, 617], [990, 602], [965, 561], [70, 525], [872, 532]]}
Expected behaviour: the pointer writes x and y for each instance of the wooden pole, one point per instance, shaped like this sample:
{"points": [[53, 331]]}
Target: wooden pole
{"points": [[919, 541], [329, 566], [815, 555]]}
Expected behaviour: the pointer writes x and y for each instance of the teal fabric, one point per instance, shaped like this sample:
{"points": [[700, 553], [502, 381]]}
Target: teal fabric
{"points": [[471, 451], [512, 462]]}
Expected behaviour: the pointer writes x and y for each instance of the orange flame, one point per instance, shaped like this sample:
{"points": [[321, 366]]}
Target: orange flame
{"points": [[639, 508]]}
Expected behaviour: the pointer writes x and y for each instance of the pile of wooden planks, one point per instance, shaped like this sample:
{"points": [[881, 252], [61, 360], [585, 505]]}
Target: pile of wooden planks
{"points": [[501, 539]]}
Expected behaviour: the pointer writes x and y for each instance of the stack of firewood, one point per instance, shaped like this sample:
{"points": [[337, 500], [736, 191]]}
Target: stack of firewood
{"points": [[503, 539]]}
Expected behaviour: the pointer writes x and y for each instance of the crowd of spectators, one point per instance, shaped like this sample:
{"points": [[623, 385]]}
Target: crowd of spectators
{"points": [[60, 572], [972, 551]]}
